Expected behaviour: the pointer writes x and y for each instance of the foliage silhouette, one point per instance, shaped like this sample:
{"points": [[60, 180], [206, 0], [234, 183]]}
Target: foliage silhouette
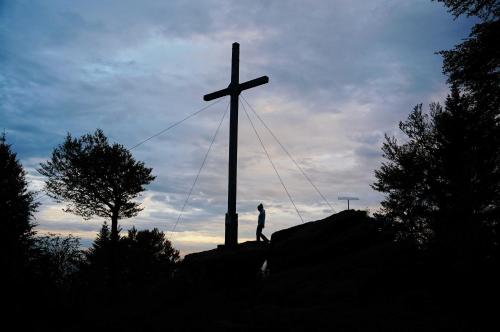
{"points": [[98, 255], [17, 206], [474, 65], [96, 179], [442, 183], [149, 255], [484, 9], [404, 177], [57, 258], [143, 256]]}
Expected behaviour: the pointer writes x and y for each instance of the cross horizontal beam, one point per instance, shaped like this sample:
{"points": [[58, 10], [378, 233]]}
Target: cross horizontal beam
{"points": [[253, 83], [348, 198], [237, 89], [216, 94]]}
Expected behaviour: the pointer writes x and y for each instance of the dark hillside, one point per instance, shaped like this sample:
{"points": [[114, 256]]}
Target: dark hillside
{"points": [[222, 267], [344, 272], [320, 241]]}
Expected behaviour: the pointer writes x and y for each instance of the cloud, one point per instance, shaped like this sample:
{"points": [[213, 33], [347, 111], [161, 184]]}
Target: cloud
{"points": [[342, 74]]}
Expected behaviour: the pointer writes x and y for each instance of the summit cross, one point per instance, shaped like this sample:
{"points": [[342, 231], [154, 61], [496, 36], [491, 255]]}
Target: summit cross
{"points": [[233, 90]]}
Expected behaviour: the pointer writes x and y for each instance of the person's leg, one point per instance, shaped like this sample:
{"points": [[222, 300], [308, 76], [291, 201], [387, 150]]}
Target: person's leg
{"points": [[257, 233], [264, 238]]}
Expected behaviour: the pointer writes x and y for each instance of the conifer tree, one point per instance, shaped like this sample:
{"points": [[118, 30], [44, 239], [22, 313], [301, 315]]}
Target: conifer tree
{"points": [[98, 255], [17, 206]]}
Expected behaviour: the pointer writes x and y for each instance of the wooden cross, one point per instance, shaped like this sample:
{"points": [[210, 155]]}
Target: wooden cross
{"points": [[234, 89]]}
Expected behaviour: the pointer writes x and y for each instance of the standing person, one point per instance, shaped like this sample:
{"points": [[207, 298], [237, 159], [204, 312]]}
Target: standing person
{"points": [[260, 224]]}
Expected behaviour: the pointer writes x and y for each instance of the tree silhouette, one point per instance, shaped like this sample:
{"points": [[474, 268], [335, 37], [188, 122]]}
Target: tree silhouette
{"points": [[484, 9], [57, 258], [149, 254], [405, 179], [468, 143], [96, 179], [17, 206], [100, 247], [473, 66], [144, 256], [442, 183], [98, 256]]}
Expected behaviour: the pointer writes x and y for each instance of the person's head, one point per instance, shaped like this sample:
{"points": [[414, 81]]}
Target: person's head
{"points": [[260, 207]]}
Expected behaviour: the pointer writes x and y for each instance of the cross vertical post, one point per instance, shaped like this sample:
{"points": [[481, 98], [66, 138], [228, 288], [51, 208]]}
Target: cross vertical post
{"points": [[231, 236], [233, 90]]}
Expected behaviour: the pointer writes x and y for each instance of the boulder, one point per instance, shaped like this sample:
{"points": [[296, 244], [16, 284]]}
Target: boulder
{"points": [[226, 266]]}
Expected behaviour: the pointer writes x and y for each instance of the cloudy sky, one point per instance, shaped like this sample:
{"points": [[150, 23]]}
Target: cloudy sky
{"points": [[342, 73]]}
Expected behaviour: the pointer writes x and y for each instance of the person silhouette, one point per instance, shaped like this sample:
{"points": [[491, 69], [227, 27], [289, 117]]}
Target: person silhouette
{"points": [[260, 224]]}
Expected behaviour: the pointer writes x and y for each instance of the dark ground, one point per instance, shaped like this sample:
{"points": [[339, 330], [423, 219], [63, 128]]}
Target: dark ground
{"points": [[342, 273]]}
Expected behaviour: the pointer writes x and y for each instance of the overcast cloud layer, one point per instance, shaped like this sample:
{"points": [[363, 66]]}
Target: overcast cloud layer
{"points": [[342, 73]]}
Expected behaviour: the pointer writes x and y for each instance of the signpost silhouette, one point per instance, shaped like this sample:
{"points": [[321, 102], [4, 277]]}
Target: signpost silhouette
{"points": [[233, 90]]}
